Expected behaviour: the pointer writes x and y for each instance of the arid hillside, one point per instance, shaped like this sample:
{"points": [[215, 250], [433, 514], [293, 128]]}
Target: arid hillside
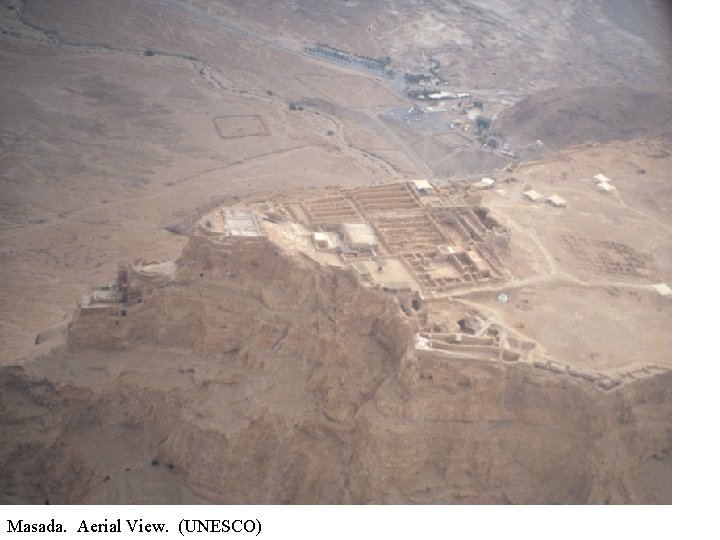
{"points": [[564, 117], [320, 401], [501, 332]]}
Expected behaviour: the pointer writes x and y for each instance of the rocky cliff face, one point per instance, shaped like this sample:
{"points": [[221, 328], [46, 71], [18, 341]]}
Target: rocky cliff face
{"points": [[492, 433], [257, 377]]}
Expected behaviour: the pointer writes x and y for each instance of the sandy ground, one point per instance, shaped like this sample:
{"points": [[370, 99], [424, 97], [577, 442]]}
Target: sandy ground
{"points": [[123, 124], [104, 147]]}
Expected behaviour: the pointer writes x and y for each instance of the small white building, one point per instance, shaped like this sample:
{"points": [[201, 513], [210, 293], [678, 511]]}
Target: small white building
{"points": [[485, 183], [601, 179], [604, 187], [662, 289], [532, 195], [321, 240], [556, 201], [422, 342], [423, 187], [445, 251]]}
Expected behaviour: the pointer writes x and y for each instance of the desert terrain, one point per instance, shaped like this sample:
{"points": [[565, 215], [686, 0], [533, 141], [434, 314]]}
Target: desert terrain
{"points": [[248, 254]]}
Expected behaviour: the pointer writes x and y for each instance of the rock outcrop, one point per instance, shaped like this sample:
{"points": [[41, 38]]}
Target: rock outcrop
{"points": [[254, 376]]}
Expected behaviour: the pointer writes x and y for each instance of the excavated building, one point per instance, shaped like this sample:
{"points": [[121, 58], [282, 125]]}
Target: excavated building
{"points": [[321, 351]]}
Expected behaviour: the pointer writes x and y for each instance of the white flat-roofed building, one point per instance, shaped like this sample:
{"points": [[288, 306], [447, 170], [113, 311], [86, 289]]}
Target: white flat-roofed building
{"points": [[321, 240], [485, 183], [556, 201], [532, 195], [423, 187], [445, 251], [662, 289], [601, 179]]}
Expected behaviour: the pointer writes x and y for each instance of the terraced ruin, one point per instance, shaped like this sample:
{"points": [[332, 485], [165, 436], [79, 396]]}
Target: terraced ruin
{"points": [[427, 248]]}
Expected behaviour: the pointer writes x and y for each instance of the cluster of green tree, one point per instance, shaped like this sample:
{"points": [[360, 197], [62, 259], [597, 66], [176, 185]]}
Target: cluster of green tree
{"points": [[374, 64], [421, 93], [415, 78]]}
